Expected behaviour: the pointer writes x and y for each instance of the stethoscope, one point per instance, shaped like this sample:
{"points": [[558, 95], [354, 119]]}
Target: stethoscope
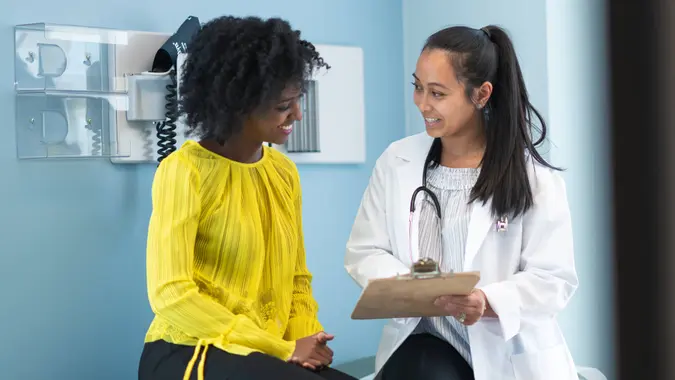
{"points": [[501, 224]]}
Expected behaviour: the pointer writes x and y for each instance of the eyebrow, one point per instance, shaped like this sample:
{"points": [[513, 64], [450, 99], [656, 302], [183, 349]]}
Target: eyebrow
{"points": [[289, 99], [432, 83]]}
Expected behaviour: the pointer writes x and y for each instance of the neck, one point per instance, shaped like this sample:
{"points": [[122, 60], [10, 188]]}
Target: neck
{"points": [[236, 149], [464, 149]]}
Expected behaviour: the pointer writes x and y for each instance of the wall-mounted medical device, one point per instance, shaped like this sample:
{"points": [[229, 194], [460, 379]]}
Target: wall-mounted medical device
{"points": [[85, 92]]}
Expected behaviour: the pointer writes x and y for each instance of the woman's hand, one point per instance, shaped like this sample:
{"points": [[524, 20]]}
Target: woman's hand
{"points": [[312, 352], [467, 309]]}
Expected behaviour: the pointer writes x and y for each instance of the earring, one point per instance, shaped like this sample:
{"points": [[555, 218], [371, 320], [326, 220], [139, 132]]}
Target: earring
{"points": [[479, 106]]}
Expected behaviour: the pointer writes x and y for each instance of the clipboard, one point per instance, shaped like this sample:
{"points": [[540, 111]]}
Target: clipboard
{"points": [[412, 295]]}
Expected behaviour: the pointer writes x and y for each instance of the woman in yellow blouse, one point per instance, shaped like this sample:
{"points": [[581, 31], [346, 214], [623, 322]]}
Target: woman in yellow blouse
{"points": [[227, 278]]}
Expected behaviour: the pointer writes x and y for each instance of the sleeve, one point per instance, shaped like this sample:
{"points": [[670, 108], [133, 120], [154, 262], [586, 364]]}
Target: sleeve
{"points": [[547, 278], [172, 292], [303, 319], [369, 254]]}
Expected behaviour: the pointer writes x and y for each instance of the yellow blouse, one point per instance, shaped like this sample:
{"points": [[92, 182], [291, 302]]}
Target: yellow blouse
{"points": [[225, 255]]}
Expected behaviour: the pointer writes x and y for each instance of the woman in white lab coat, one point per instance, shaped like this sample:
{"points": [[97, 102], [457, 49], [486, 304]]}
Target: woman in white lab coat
{"points": [[503, 212]]}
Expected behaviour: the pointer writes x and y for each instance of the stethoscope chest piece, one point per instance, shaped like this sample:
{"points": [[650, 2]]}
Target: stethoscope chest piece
{"points": [[502, 224]]}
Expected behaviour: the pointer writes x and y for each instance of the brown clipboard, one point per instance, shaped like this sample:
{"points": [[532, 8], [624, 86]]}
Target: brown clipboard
{"points": [[412, 295]]}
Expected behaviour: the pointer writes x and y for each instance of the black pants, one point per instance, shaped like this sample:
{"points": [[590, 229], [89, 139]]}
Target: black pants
{"points": [[423, 356], [166, 361]]}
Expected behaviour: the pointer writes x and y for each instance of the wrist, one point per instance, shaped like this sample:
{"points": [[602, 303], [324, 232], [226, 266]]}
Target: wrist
{"points": [[487, 310], [290, 350]]}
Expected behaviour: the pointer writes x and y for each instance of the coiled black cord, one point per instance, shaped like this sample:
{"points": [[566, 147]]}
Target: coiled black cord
{"points": [[97, 134], [94, 119], [166, 130], [96, 140]]}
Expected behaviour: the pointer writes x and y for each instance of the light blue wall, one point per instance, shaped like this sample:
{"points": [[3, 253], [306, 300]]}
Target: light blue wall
{"points": [[561, 51], [72, 234], [525, 20], [578, 86]]}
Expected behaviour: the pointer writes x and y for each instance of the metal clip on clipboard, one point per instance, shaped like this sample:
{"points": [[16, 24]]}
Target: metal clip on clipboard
{"points": [[425, 268]]}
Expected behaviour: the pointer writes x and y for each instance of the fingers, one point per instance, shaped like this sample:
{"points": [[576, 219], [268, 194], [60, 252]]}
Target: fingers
{"points": [[310, 363], [469, 319], [453, 309], [447, 301], [322, 349], [309, 366], [323, 337], [318, 360], [321, 361], [325, 350], [450, 308], [472, 301], [322, 353], [458, 300], [466, 309]]}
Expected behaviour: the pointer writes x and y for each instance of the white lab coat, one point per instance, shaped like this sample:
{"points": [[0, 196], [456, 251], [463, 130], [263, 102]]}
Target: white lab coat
{"points": [[527, 272]]}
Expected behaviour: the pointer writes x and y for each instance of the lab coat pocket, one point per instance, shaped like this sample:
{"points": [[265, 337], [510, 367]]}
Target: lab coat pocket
{"points": [[550, 363]]}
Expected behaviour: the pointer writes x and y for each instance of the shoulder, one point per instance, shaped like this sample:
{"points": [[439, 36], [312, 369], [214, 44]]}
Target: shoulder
{"points": [[176, 177], [179, 164], [548, 185], [411, 148], [190, 158], [280, 159]]}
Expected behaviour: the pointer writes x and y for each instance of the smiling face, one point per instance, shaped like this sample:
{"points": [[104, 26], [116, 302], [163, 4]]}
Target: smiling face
{"points": [[442, 98], [274, 123]]}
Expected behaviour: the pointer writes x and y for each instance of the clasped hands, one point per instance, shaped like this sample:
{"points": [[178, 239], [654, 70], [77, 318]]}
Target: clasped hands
{"points": [[467, 309], [312, 352]]}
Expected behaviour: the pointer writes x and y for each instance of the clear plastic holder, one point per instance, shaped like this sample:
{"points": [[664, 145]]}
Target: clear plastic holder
{"points": [[68, 125], [67, 58], [69, 95]]}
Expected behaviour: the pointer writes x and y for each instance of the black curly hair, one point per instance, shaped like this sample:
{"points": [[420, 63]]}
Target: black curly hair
{"points": [[238, 65]]}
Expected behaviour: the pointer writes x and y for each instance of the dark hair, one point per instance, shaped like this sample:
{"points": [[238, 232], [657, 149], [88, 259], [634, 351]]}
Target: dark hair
{"points": [[236, 65], [487, 54]]}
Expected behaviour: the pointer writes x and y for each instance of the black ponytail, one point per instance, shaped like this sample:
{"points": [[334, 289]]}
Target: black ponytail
{"points": [[488, 55]]}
